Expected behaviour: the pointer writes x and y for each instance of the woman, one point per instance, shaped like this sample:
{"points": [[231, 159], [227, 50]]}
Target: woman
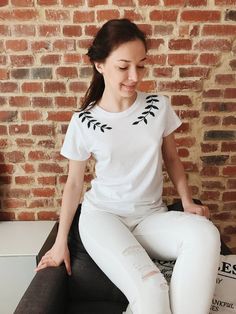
{"points": [[123, 219]]}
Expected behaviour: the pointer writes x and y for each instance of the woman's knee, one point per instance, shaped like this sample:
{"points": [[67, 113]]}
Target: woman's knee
{"points": [[203, 232]]}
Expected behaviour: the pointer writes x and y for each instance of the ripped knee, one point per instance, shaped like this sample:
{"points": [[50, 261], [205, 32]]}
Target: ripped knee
{"points": [[140, 262]]}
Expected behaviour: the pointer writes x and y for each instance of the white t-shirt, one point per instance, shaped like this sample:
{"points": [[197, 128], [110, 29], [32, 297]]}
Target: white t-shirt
{"points": [[127, 148]]}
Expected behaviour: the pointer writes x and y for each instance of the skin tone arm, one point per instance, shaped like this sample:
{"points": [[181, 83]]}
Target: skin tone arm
{"points": [[176, 173], [70, 200]]}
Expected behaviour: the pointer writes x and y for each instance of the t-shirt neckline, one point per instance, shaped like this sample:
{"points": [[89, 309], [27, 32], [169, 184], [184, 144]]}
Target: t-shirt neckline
{"points": [[120, 114]]}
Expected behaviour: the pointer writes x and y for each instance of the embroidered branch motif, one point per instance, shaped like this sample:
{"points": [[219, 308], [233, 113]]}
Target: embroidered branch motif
{"points": [[93, 123], [150, 100]]}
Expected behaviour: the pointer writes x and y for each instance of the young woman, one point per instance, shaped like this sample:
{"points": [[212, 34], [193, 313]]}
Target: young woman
{"points": [[123, 222]]}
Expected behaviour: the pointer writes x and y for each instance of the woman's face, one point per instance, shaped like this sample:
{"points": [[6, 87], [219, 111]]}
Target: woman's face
{"points": [[124, 68]]}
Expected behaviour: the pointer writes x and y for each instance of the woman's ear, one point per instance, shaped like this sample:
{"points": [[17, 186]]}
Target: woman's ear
{"points": [[98, 67]]}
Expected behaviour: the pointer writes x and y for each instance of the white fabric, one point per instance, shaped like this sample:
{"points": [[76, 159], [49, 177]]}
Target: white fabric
{"points": [[224, 299], [127, 149], [123, 247]]}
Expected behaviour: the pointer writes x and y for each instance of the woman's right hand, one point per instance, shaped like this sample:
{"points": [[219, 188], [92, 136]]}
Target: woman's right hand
{"points": [[54, 257]]}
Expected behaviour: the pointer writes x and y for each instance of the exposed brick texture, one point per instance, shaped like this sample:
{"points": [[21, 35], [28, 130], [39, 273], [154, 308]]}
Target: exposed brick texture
{"points": [[44, 73]]}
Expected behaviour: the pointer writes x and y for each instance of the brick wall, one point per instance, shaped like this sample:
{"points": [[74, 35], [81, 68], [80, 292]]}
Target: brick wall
{"points": [[44, 73]]}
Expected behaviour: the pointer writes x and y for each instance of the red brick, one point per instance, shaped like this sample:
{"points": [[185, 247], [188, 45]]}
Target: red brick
{"points": [[54, 87], [212, 93], [208, 148], [225, 79], [70, 102], [83, 17], [47, 2], [6, 216], [211, 120], [219, 30], [78, 87], [32, 87], [59, 116], [14, 203], [196, 3], [214, 45], [72, 3], [42, 102], [23, 30], [188, 114], [210, 171], [8, 87], [18, 193], [40, 45], [15, 157], [19, 14], [148, 2], [22, 61], [73, 57], [49, 30], [213, 185], [27, 180], [50, 59], [132, 15], [8, 116], [183, 152], [229, 171], [50, 168], [200, 16], [194, 72], [174, 2], [43, 192], [47, 215], [47, 180], [180, 100], [38, 156], [26, 216], [72, 31], [161, 15], [229, 196], [24, 142], [68, 72], [180, 44], [210, 196], [163, 72], [16, 45], [64, 45], [163, 30], [4, 74], [180, 86], [22, 3], [209, 59], [104, 15], [231, 184], [230, 93], [42, 129], [28, 168], [185, 142], [57, 15], [182, 59]]}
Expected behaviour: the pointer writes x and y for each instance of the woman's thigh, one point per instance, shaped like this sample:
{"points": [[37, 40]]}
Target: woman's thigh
{"points": [[164, 234], [116, 251]]}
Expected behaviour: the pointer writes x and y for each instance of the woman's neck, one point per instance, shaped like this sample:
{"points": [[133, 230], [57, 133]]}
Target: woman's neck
{"points": [[113, 103]]}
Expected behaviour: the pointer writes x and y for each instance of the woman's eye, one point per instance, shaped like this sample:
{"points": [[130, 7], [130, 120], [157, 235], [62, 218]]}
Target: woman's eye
{"points": [[141, 66], [123, 69]]}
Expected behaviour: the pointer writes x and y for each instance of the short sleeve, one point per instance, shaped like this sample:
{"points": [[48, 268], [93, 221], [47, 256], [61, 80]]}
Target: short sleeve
{"points": [[172, 121], [74, 146]]}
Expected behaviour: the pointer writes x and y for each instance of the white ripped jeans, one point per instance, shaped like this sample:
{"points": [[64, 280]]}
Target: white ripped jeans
{"points": [[122, 247]]}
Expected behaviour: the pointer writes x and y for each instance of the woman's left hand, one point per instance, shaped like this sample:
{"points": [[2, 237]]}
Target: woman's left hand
{"points": [[201, 210]]}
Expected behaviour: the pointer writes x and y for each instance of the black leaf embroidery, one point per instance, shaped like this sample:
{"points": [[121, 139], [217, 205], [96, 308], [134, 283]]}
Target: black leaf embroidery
{"points": [[92, 122], [150, 100]]}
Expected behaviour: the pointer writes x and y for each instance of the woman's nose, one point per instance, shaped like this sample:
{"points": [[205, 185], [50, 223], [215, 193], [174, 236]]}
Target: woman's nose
{"points": [[133, 75]]}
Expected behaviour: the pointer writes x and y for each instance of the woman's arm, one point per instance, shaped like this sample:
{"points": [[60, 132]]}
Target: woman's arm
{"points": [[177, 175], [70, 200]]}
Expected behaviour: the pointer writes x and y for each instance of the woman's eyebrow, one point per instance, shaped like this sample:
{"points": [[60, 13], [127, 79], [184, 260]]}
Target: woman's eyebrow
{"points": [[123, 60]]}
